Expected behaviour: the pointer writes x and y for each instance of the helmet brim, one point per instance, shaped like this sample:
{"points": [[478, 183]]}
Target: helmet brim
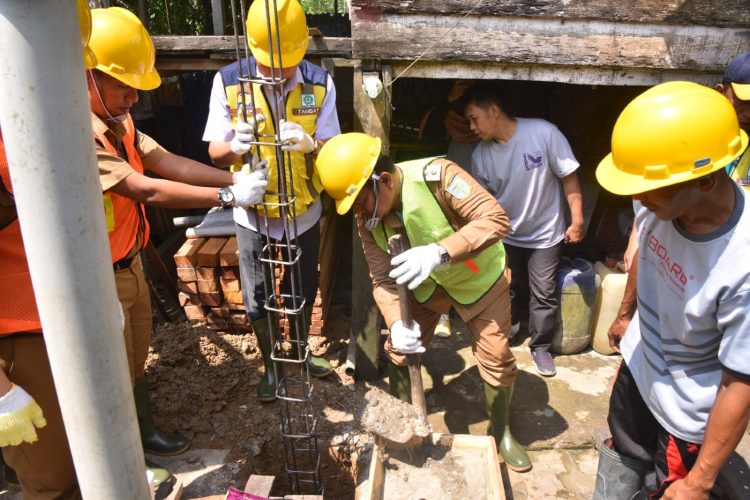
{"points": [[617, 181], [148, 81], [345, 204]]}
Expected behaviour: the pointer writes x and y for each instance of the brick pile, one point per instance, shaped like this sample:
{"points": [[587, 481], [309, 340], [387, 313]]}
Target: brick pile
{"points": [[208, 279]]}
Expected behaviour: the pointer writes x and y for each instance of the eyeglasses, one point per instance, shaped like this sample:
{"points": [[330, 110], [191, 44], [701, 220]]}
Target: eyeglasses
{"points": [[373, 221]]}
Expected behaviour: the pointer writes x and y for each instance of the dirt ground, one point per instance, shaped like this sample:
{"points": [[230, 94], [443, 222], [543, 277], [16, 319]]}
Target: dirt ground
{"points": [[203, 387]]}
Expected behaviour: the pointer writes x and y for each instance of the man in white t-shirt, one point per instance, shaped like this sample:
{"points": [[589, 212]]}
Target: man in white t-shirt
{"points": [[528, 165], [681, 400], [308, 102]]}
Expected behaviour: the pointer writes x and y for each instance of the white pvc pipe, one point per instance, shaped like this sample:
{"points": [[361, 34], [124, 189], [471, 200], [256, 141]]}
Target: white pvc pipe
{"points": [[46, 125]]}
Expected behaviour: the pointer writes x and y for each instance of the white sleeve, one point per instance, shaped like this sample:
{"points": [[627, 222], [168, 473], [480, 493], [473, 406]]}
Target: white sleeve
{"points": [[219, 122], [561, 159], [327, 124]]}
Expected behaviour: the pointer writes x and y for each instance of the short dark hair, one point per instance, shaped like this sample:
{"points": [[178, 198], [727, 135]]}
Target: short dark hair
{"points": [[384, 164], [485, 94]]}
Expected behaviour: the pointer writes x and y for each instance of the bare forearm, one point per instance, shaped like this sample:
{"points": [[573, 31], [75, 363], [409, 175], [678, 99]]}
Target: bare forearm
{"points": [[221, 154], [726, 425], [630, 296], [165, 193], [572, 190], [181, 169]]}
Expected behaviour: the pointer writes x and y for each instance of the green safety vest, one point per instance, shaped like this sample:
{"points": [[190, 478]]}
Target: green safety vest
{"points": [[424, 222]]}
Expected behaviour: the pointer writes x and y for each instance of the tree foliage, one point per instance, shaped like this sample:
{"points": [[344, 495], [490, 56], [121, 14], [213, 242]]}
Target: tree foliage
{"points": [[193, 17]]}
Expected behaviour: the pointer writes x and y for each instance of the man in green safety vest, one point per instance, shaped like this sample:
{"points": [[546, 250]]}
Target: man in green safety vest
{"points": [[454, 228]]}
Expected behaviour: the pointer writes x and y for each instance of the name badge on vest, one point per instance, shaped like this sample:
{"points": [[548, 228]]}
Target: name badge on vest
{"points": [[309, 105]]}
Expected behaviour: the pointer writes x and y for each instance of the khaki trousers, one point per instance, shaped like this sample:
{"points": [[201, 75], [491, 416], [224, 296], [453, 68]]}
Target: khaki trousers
{"points": [[135, 298], [489, 329], [45, 468]]}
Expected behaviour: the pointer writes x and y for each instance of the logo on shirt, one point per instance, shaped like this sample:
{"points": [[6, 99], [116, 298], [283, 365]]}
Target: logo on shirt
{"points": [[673, 270], [533, 160]]}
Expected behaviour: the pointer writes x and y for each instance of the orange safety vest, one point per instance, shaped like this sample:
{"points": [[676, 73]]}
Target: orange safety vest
{"points": [[18, 312], [126, 218]]}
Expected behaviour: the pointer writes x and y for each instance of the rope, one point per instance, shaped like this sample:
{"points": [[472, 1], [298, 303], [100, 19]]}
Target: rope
{"points": [[477, 4]]}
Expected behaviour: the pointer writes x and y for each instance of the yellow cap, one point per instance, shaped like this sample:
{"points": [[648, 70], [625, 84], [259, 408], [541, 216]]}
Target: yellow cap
{"points": [[672, 133], [344, 165], [84, 24], [292, 30], [123, 48]]}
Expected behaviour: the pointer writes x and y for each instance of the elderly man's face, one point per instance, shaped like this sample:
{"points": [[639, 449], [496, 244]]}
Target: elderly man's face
{"points": [[670, 202]]}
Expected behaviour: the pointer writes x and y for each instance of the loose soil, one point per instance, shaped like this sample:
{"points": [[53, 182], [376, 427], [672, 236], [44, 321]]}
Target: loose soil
{"points": [[203, 386], [391, 419]]}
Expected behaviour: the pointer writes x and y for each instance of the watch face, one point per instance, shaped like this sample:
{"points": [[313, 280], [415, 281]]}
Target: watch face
{"points": [[226, 195]]}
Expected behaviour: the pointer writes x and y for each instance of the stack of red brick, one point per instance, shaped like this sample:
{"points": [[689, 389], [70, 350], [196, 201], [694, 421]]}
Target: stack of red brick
{"points": [[209, 284]]}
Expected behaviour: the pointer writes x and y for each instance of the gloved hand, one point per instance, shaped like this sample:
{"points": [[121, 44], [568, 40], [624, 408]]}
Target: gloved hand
{"points": [[415, 265], [295, 138], [405, 339], [249, 189], [257, 164], [244, 135], [19, 415]]}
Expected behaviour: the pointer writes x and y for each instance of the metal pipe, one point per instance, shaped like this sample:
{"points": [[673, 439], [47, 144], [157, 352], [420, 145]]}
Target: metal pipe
{"points": [[45, 117]]}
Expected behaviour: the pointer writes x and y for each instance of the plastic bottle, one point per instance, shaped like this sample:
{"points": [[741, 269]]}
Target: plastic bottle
{"points": [[608, 302]]}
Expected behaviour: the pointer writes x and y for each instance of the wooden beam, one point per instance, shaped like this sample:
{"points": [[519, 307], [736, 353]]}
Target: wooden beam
{"points": [[727, 13], [217, 14], [545, 73], [552, 42], [173, 45]]}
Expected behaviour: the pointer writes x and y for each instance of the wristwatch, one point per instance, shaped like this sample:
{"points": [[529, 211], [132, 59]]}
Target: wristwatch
{"points": [[225, 197], [445, 258]]}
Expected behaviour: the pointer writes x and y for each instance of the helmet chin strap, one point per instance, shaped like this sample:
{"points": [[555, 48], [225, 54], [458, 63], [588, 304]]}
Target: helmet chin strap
{"points": [[119, 118]]}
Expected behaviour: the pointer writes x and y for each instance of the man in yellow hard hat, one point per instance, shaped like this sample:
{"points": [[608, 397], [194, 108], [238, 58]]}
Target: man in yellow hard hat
{"points": [[35, 447], [125, 63], [454, 228], [681, 399], [308, 101]]}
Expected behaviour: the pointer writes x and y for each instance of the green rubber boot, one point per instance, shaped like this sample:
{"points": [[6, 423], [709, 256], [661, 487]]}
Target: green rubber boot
{"points": [[267, 386], [154, 441], [498, 408], [319, 367], [159, 473], [399, 382]]}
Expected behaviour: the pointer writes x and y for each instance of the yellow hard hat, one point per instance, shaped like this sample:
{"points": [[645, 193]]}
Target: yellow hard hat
{"points": [[672, 133], [84, 24], [123, 48], [344, 165], [292, 28]]}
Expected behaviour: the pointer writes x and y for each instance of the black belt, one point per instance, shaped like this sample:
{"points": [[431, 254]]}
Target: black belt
{"points": [[124, 263]]}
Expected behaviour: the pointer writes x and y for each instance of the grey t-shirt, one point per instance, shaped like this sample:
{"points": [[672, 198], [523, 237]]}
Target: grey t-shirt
{"points": [[524, 176], [693, 317]]}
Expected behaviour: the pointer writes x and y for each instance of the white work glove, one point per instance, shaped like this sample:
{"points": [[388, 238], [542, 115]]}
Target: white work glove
{"points": [[415, 265], [294, 138], [19, 415], [244, 136], [249, 189], [405, 339]]}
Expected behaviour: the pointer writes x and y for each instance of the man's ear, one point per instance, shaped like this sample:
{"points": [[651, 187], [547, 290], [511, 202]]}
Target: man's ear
{"points": [[720, 87], [387, 179], [707, 182]]}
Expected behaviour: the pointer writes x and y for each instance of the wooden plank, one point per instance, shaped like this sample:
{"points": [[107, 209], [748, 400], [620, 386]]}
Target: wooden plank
{"points": [[208, 273], [230, 273], [208, 253], [230, 254], [555, 42], [171, 45], [186, 299], [259, 485], [185, 256], [208, 286], [699, 12], [195, 312], [233, 298]]}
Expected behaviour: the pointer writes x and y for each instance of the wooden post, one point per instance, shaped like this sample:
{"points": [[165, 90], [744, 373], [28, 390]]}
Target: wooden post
{"points": [[371, 116]]}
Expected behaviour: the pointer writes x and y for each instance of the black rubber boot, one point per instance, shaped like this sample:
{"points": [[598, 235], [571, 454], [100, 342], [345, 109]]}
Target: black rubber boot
{"points": [[319, 367], [154, 441], [267, 386], [618, 477], [498, 408], [10, 476], [399, 382]]}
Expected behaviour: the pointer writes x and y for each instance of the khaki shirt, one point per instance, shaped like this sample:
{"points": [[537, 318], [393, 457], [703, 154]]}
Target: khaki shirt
{"points": [[112, 168], [477, 218]]}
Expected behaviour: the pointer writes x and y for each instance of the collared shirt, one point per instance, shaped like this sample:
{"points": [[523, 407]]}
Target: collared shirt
{"points": [[113, 168], [219, 129], [477, 218]]}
